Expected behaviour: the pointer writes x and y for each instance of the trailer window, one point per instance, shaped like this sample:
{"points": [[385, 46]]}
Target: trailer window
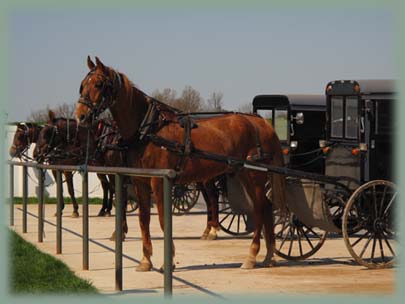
{"points": [[281, 124], [336, 117], [351, 126]]}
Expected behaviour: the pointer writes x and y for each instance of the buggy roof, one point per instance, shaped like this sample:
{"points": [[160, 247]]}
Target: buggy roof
{"points": [[312, 102], [365, 87]]}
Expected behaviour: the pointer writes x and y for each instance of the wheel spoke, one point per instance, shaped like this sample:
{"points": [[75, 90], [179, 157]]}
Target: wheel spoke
{"points": [[238, 223], [360, 238], [283, 241], [365, 246], [307, 238], [299, 241], [381, 248], [388, 244], [285, 226], [389, 204], [373, 248], [292, 228], [225, 218], [230, 224], [310, 229]]}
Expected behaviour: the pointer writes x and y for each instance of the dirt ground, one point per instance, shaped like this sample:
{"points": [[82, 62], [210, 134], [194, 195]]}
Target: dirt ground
{"points": [[203, 267]]}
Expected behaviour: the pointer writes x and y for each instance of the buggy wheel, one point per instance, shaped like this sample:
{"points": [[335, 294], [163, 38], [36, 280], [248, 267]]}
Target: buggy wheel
{"points": [[184, 197], [336, 204], [295, 240], [132, 206], [374, 244], [234, 223]]}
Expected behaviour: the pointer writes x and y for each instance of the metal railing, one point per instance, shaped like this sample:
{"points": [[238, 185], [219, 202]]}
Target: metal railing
{"points": [[119, 172]]}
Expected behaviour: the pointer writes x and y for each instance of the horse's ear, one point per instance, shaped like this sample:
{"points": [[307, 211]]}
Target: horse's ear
{"points": [[90, 63], [100, 65], [51, 115]]}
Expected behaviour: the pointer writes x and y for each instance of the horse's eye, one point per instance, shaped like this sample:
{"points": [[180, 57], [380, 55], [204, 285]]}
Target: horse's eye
{"points": [[81, 89], [99, 84]]}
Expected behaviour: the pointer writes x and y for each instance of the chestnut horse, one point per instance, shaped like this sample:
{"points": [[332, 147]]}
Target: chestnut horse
{"points": [[25, 135], [156, 139]]}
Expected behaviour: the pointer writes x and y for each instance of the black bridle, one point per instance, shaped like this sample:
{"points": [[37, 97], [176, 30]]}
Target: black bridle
{"points": [[109, 89], [27, 136]]}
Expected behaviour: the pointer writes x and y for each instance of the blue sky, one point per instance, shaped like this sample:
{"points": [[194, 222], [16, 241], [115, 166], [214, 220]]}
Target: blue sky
{"points": [[239, 52]]}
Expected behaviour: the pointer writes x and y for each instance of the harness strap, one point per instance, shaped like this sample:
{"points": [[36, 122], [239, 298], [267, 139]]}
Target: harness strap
{"points": [[187, 144]]}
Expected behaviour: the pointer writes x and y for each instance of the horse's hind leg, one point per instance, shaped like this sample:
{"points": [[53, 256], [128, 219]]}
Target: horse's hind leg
{"points": [[268, 232], [258, 196], [211, 199], [208, 203], [69, 182], [157, 190]]}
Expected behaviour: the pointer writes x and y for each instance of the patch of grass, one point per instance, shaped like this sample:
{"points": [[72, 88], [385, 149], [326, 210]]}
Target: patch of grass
{"points": [[34, 272], [52, 200]]}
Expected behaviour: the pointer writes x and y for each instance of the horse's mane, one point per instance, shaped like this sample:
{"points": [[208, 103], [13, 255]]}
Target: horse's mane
{"points": [[130, 88]]}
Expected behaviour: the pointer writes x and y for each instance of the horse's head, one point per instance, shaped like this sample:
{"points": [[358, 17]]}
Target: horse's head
{"points": [[54, 137], [98, 91], [22, 139]]}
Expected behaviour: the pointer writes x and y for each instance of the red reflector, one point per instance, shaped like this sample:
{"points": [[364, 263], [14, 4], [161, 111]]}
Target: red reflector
{"points": [[325, 150], [286, 151], [355, 151]]}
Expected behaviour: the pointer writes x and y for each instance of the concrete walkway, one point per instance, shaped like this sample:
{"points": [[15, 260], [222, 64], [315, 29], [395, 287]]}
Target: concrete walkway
{"points": [[202, 267]]}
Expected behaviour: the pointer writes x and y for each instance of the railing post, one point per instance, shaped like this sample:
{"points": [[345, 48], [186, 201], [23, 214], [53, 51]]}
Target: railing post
{"points": [[85, 206], [59, 194], [24, 198], [168, 237], [118, 231], [41, 205], [11, 185]]}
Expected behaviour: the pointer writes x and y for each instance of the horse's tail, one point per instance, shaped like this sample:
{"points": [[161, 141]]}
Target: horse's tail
{"points": [[277, 180]]}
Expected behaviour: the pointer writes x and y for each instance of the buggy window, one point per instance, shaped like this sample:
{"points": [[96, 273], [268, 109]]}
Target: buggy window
{"points": [[281, 124], [383, 115], [351, 118], [337, 117], [266, 114]]}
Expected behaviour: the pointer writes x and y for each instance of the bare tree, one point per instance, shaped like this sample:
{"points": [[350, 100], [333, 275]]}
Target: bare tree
{"points": [[214, 102], [63, 110], [190, 100], [245, 108], [168, 96]]}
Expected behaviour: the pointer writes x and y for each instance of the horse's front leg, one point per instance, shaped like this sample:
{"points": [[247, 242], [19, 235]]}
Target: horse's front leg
{"points": [[63, 201], [105, 185], [157, 190], [71, 190], [142, 191]]}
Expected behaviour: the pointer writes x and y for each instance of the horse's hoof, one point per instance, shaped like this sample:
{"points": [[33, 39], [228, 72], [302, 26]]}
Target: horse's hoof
{"points": [[212, 236], [144, 267], [56, 214], [108, 213], [204, 236], [267, 262], [248, 264], [112, 237], [101, 213], [75, 214], [162, 268]]}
